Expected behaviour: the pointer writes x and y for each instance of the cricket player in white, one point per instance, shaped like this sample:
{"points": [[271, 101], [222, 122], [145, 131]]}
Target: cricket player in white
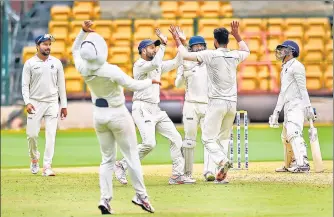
{"points": [[294, 98], [43, 83], [221, 68], [146, 112], [112, 121], [194, 76]]}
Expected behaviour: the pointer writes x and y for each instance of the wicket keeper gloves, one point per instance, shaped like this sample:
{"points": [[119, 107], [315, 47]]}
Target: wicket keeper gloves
{"points": [[273, 119], [310, 113]]}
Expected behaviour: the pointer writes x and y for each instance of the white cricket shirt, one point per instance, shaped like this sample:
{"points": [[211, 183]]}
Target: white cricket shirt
{"points": [[44, 81], [153, 69], [293, 84], [194, 76]]}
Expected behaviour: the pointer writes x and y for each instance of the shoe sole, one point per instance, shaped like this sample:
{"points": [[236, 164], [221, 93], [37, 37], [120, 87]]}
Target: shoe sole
{"points": [[223, 172], [142, 206], [104, 210], [49, 175], [123, 183]]}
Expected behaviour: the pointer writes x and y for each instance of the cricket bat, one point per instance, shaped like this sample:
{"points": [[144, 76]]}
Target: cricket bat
{"points": [[315, 148]]}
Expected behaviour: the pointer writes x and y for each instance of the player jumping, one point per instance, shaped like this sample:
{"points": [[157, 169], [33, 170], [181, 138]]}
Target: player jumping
{"points": [[112, 121], [146, 112], [295, 99]]}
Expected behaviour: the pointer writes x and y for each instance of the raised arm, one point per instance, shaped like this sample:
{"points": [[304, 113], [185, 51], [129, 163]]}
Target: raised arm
{"points": [[179, 81], [146, 66], [170, 65], [61, 86], [118, 76], [243, 50], [86, 27]]}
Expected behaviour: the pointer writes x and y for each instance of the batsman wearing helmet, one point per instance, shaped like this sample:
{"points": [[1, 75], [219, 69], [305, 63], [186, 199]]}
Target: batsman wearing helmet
{"points": [[194, 76], [294, 98]]}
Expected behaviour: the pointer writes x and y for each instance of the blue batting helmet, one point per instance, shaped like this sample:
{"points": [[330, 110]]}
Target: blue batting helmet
{"points": [[292, 45], [196, 40]]}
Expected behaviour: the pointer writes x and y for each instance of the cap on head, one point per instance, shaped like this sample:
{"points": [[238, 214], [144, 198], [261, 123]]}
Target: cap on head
{"points": [[196, 40], [45, 37], [147, 42], [292, 45]]}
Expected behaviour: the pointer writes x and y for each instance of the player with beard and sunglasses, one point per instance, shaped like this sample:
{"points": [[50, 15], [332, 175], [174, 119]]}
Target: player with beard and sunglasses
{"points": [[146, 112]]}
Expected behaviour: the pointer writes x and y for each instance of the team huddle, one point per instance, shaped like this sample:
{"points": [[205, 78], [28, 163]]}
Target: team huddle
{"points": [[210, 79]]}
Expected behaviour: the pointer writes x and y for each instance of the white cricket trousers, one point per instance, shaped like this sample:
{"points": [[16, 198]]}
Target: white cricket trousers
{"points": [[149, 118], [115, 126], [193, 115], [292, 132], [48, 111], [217, 126]]}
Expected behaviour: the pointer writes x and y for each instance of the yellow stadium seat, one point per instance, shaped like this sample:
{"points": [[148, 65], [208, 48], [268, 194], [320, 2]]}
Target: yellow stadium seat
{"points": [[315, 42], [82, 13], [170, 53], [226, 22], [170, 9], [75, 27], [28, 52], [58, 27], [226, 10], [85, 3], [144, 29], [233, 44], [73, 81], [254, 43], [273, 41], [68, 54], [249, 78], [164, 25], [187, 26], [255, 25], [295, 24], [189, 9], [58, 52], [264, 77], [275, 25], [314, 76], [59, 44], [210, 8], [206, 27], [119, 55], [329, 76], [96, 12], [122, 32], [60, 12], [312, 54], [317, 26], [103, 27], [329, 51]]}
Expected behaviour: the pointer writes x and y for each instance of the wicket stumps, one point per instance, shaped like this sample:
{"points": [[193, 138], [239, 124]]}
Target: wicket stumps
{"points": [[239, 141]]}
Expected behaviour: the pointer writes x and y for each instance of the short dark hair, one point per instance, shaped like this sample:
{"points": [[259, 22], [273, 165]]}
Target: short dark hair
{"points": [[221, 35]]}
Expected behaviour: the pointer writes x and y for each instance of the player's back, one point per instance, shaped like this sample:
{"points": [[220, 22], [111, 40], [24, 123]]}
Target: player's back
{"points": [[222, 68], [101, 85]]}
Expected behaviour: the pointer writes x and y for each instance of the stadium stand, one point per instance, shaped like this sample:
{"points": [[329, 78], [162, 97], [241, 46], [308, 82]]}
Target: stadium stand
{"points": [[260, 72]]}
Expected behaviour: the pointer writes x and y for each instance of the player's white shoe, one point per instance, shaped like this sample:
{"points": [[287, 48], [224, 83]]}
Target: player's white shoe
{"points": [[143, 202], [188, 179], [34, 166], [209, 177], [120, 173], [105, 207], [300, 169], [176, 180], [47, 171], [222, 171]]}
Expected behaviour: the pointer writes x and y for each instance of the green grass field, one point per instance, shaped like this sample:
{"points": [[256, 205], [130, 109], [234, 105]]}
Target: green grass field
{"points": [[75, 191]]}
